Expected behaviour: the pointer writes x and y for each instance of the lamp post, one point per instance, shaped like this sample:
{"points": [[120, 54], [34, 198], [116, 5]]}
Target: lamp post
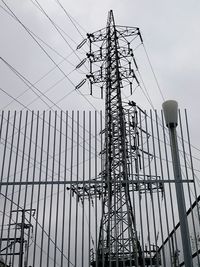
{"points": [[170, 109]]}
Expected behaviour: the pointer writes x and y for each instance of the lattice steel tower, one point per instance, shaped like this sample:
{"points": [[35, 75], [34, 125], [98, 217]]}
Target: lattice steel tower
{"points": [[111, 69]]}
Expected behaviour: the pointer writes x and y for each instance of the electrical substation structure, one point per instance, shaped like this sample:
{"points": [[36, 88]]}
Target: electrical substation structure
{"points": [[92, 190]]}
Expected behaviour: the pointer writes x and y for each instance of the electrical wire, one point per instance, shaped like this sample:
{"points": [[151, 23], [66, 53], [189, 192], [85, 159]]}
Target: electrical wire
{"points": [[151, 66], [45, 75], [41, 249], [65, 58], [56, 27], [151, 104], [19, 21], [37, 92], [27, 82], [145, 89], [72, 20], [34, 38], [148, 97], [14, 16], [39, 226], [39, 7], [68, 45]]}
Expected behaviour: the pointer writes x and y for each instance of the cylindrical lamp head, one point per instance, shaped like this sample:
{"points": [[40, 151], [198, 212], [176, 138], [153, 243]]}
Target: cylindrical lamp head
{"points": [[170, 108]]}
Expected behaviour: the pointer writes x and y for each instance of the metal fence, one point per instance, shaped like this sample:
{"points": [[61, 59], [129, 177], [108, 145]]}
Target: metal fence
{"points": [[52, 188]]}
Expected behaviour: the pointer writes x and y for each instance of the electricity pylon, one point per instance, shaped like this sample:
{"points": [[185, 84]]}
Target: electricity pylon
{"points": [[111, 68]]}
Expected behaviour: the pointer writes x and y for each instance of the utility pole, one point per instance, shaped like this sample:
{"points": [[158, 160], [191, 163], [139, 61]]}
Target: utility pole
{"points": [[111, 68]]}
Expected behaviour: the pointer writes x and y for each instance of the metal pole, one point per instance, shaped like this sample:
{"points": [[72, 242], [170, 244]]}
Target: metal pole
{"points": [[170, 110], [22, 240], [26, 254], [180, 198]]}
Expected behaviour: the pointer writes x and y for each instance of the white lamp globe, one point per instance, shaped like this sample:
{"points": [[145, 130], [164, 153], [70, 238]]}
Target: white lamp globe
{"points": [[170, 109]]}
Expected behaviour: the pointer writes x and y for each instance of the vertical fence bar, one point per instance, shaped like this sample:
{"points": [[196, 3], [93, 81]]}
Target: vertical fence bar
{"points": [[133, 176], [188, 186], [33, 175], [133, 257], [83, 203], [119, 192], [45, 186], [139, 190], [89, 177], [29, 156], [58, 191], [77, 178], [96, 177], [19, 193], [39, 187], [14, 179], [157, 191], [145, 190], [192, 169], [150, 186], [3, 170], [8, 179], [64, 193], [102, 188], [71, 177], [51, 192], [26, 187]]}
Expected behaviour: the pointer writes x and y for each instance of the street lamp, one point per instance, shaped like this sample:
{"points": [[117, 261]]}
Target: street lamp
{"points": [[170, 109]]}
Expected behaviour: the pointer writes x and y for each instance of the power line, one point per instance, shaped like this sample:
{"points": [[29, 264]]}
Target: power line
{"points": [[18, 206], [43, 151], [41, 40], [39, 7], [39, 226], [65, 41], [148, 97], [56, 27], [27, 82], [145, 94], [34, 38], [19, 21], [64, 59], [151, 66], [14, 16], [70, 18], [151, 103]]}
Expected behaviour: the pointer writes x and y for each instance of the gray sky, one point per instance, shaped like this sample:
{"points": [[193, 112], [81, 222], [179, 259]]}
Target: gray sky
{"points": [[171, 34]]}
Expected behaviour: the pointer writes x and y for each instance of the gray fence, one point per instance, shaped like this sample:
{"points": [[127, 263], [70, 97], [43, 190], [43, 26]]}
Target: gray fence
{"points": [[51, 190]]}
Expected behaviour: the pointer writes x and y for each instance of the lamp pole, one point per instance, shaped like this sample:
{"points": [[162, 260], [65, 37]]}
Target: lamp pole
{"points": [[170, 109]]}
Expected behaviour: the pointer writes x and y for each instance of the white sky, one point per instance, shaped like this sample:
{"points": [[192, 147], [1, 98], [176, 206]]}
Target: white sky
{"points": [[171, 34]]}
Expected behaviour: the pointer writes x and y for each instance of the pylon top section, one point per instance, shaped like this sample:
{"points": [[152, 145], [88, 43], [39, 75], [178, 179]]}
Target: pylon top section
{"points": [[109, 45], [111, 20]]}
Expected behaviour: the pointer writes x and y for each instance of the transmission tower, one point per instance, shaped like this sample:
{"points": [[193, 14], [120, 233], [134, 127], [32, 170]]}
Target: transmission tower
{"points": [[111, 69]]}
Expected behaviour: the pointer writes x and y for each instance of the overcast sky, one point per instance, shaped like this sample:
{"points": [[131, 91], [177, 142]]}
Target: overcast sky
{"points": [[37, 66], [171, 34]]}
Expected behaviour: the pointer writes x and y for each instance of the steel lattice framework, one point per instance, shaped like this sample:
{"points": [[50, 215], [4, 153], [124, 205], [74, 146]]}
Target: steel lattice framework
{"points": [[118, 243], [62, 203]]}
